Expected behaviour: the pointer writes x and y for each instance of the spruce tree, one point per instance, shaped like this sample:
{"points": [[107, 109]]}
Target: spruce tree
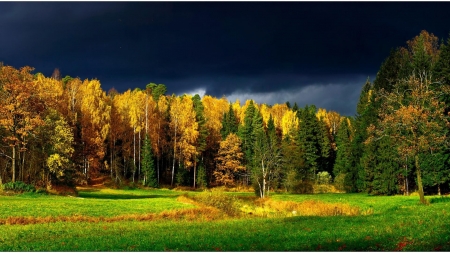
{"points": [[202, 180], [441, 70], [387, 168], [343, 155], [245, 134], [229, 123], [307, 138], [148, 167]]}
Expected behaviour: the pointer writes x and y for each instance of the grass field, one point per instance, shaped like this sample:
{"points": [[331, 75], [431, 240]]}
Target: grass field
{"points": [[384, 223]]}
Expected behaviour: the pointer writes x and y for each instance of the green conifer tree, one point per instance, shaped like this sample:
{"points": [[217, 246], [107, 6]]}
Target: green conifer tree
{"points": [[148, 167]]}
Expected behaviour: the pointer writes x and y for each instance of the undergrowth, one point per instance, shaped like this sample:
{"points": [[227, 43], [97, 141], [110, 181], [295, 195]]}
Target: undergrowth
{"points": [[18, 187]]}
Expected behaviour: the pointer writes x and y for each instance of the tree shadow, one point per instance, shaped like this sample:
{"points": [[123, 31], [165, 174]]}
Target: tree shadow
{"points": [[95, 195]]}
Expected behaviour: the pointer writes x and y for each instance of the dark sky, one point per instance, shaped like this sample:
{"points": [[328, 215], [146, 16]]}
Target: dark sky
{"points": [[306, 52]]}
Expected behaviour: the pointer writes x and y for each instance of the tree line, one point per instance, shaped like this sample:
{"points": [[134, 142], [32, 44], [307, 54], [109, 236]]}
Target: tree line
{"points": [[67, 131]]}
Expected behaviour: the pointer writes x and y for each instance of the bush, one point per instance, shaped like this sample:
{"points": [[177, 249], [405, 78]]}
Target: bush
{"points": [[219, 200], [303, 187], [18, 187], [323, 177], [339, 182]]}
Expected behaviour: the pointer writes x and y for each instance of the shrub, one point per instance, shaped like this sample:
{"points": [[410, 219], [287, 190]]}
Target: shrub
{"points": [[219, 200], [18, 187], [339, 181], [323, 177], [302, 187], [322, 188]]}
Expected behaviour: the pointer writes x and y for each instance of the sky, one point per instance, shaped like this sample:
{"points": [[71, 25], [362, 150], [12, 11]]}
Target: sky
{"points": [[317, 53]]}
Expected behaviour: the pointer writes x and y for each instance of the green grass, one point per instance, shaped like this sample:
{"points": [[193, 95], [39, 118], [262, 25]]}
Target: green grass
{"points": [[94, 203], [397, 223]]}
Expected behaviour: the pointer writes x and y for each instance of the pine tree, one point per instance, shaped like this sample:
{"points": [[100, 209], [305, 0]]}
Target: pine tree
{"points": [[441, 70], [229, 123], [245, 134], [343, 154], [307, 138], [435, 168], [202, 179], [148, 167], [386, 170]]}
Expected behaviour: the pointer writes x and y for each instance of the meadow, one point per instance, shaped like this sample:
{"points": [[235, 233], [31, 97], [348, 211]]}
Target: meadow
{"points": [[168, 220]]}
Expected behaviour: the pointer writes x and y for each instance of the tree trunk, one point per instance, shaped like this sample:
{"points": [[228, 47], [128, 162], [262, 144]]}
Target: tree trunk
{"points": [[112, 158], [159, 152], [174, 153], [419, 180], [134, 153], [139, 157], [195, 168], [157, 167], [13, 166], [22, 169]]}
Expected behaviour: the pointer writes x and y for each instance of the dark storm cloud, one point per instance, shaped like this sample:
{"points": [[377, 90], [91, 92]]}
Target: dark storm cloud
{"points": [[222, 48]]}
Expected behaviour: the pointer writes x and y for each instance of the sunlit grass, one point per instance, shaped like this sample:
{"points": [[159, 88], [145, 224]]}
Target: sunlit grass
{"points": [[93, 203], [163, 220]]}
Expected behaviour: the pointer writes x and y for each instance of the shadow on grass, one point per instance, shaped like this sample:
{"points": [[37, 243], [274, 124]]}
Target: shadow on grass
{"points": [[440, 200], [90, 195]]}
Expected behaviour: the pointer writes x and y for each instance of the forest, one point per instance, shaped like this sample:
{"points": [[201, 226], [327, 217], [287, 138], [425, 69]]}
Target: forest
{"points": [[64, 131]]}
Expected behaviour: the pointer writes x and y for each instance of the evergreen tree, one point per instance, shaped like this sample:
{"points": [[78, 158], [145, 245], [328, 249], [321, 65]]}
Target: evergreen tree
{"points": [[148, 167], [441, 71], [345, 166], [388, 74], [326, 160], [202, 180], [307, 138], [343, 155], [229, 123], [245, 134], [293, 163], [435, 169], [386, 170], [157, 90], [288, 105]]}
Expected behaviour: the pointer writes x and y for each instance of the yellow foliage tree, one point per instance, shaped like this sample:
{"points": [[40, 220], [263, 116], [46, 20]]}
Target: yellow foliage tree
{"points": [[289, 124], [229, 160], [185, 130], [95, 124]]}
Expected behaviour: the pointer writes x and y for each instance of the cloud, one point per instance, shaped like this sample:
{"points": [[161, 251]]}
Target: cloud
{"points": [[199, 91], [333, 97]]}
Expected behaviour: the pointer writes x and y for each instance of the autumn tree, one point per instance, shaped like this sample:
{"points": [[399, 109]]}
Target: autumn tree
{"points": [[20, 109], [202, 130], [185, 131], [58, 148], [229, 160], [95, 125], [414, 119], [214, 110]]}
